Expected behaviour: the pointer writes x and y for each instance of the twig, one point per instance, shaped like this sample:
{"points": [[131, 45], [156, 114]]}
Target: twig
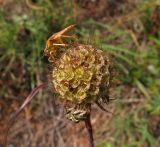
{"points": [[89, 130]]}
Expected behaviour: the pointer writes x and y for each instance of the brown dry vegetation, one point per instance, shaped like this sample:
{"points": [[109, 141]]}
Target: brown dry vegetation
{"points": [[122, 24]]}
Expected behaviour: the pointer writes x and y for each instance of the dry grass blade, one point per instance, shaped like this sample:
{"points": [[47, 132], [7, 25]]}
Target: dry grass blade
{"points": [[31, 5], [27, 101], [102, 108]]}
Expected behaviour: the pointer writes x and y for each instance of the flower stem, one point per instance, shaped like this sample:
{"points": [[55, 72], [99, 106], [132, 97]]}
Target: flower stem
{"points": [[89, 130]]}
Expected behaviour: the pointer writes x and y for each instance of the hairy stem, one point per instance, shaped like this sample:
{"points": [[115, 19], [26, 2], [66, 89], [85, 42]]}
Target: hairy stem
{"points": [[89, 130]]}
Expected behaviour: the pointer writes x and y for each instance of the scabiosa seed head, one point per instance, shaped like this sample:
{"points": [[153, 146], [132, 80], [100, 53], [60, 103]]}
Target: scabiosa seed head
{"points": [[82, 77]]}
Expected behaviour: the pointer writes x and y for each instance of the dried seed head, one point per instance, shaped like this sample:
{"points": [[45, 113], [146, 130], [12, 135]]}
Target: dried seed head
{"points": [[82, 74]]}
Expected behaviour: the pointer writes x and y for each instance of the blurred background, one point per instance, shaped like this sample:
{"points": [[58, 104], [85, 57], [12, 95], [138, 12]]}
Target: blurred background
{"points": [[127, 29]]}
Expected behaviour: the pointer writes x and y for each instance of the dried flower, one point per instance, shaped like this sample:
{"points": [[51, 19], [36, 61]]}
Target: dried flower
{"points": [[81, 77]]}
